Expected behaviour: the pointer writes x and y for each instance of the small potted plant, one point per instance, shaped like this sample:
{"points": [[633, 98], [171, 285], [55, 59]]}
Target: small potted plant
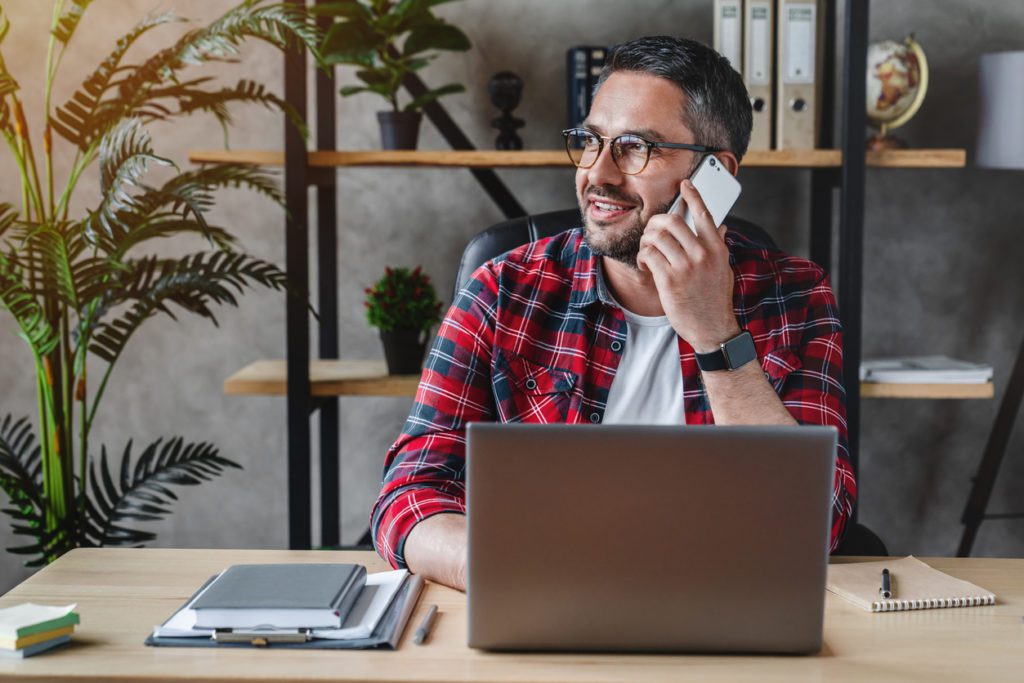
{"points": [[404, 307], [386, 41]]}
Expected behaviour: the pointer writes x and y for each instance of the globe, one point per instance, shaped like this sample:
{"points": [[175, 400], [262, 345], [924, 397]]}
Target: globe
{"points": [[897, 83]]}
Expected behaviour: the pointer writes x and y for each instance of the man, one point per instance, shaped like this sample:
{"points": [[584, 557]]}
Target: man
{"points": [[614, 322]]}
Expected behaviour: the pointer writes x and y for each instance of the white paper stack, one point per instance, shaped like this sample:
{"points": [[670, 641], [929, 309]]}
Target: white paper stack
{"points": [[924, 370]]}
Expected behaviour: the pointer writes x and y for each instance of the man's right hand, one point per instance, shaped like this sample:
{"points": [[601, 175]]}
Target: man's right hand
{"points": [[436, 550]]}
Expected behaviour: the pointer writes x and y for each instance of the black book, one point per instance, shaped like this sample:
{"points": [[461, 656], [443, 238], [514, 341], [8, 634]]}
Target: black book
{"points": [[583, 68], [277, 596]]}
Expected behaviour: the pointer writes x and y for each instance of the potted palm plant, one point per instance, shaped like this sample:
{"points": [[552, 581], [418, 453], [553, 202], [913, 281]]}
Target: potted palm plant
{"points": [[80, 285], [404, 306], [387, 40]]}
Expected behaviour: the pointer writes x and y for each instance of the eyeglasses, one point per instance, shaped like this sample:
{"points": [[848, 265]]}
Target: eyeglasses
{"points": [[631, 153]]}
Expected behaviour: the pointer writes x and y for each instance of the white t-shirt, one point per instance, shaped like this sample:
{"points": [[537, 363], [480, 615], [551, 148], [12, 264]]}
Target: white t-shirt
{"points": [[648, 385]]}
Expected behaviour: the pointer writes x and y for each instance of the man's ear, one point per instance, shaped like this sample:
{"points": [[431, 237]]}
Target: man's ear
{"points": [[728, 160]]}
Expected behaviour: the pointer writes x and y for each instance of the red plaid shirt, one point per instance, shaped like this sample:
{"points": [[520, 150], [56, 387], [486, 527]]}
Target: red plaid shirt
{"points": [[534, 337]]}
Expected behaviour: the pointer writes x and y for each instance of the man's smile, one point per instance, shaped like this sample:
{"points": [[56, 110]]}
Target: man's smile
{"points": [[604, 209]]}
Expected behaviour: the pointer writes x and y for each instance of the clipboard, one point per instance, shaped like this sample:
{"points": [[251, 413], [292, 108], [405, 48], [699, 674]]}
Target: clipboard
{"points": [[385, 636]]}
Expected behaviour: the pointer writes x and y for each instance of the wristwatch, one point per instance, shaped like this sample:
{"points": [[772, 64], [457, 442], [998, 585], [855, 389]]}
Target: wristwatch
{"points": [[730, 355]]}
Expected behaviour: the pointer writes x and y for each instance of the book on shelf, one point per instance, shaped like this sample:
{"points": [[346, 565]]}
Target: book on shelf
{"points": [[583, 68], [28, 629], [924, 370]]}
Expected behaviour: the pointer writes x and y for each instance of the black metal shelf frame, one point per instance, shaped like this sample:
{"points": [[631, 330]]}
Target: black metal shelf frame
{"points": [[847, 180]]}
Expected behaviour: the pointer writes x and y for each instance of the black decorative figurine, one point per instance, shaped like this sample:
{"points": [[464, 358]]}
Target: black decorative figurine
{"points": [[506, 89]]}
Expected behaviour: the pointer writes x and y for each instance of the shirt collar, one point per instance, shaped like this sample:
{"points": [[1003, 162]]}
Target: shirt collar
{"points": [[588, 282]]}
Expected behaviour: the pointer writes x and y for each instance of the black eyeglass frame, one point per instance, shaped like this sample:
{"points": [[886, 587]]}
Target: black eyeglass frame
{"points": [[701, 149]]}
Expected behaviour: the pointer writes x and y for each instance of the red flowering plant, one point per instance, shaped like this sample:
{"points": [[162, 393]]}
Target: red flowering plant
{"points": [[403, 300]]}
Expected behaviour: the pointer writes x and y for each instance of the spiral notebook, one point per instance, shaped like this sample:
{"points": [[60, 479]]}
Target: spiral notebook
{"points": [[915, 585]]}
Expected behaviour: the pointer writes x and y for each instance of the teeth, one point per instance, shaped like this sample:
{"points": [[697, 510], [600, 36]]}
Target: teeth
{"points": [[608, 207]]}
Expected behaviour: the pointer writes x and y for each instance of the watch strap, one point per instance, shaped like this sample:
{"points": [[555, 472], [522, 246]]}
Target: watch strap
{"points": [[730, 355]]}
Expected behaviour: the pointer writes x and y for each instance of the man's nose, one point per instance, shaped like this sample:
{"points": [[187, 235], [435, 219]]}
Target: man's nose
{"points": [[604, 171]]}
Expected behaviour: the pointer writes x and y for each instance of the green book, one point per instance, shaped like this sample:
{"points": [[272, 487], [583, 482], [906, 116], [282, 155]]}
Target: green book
{"points": [[28, 618]]}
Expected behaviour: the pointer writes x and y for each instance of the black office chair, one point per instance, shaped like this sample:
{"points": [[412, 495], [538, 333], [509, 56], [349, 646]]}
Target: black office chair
{"points": [[502, 237]]}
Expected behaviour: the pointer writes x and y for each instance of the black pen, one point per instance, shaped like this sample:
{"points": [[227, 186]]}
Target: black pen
{"points": [[424, 630], [886, 589]]}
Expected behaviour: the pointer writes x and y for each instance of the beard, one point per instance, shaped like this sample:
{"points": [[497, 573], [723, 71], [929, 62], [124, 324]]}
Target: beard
{"points": [[620, 241]]}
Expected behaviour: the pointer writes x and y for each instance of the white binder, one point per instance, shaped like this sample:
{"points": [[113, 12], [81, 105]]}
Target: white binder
{"points": [[729, 31], [758, 68], [798, 76]]}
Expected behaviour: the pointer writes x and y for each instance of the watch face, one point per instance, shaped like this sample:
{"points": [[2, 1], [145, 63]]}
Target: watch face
{"points": [[739, 351]]}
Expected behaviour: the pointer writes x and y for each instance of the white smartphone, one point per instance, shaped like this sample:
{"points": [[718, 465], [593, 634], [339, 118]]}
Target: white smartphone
{"points": [[717, 187]]}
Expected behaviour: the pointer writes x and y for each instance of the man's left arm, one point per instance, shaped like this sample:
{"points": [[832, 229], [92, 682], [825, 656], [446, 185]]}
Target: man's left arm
{"points": [[695, 285]]}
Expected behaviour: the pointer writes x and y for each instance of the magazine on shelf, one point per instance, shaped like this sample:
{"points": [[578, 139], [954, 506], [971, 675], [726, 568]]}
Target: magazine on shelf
{"points": [[924, 370]]}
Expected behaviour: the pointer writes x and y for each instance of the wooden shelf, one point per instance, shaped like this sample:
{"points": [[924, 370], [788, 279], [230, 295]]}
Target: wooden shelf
{"points": [[917, 158], [928, 391], [815, 158], [370, 378], [326, 378]]}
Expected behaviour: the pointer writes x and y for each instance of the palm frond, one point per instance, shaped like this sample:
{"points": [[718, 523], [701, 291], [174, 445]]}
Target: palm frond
{"points": [[199, 184], [244, 91], [27, 312], [68, 22], [144, 87], [282, 25], [79, 121], [125, 154], [5, 115], [141, 491], [7, 83], [21, 480], [192, 283], [168, 225], [8, 215], [45, 254], [20, 463], [188, 195]]}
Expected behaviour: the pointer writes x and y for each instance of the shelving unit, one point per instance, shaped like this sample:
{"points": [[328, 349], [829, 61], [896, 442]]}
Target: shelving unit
{"points": [[370, 378], [817, 158], [312, 385]]}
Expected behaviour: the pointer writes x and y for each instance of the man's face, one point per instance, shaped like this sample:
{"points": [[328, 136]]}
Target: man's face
{"points": [[616, 206]]}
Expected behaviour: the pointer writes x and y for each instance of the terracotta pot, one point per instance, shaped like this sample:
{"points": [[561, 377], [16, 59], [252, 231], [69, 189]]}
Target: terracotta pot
{"points": [[404, 351], [399, 129]]}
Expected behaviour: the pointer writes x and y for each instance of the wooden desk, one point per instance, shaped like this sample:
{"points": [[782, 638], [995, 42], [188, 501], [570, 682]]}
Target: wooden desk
{"points": [[121, 594]]}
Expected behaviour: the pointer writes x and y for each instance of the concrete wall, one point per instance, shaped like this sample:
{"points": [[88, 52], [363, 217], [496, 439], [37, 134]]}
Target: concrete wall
{"points": [[941, 262]]}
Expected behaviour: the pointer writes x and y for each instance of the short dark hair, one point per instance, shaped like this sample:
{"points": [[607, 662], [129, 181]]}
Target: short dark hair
{"points": [[717, 104]]}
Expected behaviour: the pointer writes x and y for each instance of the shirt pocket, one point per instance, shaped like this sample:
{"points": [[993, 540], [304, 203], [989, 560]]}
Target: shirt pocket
{"points": [[526, 391], [779, 363]]}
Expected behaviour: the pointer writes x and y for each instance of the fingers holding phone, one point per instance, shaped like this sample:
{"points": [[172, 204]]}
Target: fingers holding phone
{"points": [[710, 195], [688, 258]]}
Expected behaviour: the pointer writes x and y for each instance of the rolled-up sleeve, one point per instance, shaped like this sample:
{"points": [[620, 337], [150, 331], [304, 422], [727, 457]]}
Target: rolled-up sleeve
{"points": [[425, 469]]}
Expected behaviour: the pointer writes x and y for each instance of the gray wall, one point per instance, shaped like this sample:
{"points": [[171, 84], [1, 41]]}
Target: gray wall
{"points": [[941, 274]]}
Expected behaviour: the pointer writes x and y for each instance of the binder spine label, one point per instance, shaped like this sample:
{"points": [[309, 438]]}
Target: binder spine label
{"points": [[759, 56], [730, 33], [800, 37]]}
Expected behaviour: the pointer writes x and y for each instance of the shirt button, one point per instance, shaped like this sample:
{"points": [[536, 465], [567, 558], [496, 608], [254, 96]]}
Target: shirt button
{"points": [[616, 346], [531, 384], [595, 417]]}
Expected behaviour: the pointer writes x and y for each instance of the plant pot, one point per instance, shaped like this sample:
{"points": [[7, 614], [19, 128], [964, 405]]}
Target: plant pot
{"points": [[404, 351], [399, 129]]}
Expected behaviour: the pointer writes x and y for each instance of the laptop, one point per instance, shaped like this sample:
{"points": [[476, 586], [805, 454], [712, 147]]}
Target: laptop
{"points": [[648, 538]]}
